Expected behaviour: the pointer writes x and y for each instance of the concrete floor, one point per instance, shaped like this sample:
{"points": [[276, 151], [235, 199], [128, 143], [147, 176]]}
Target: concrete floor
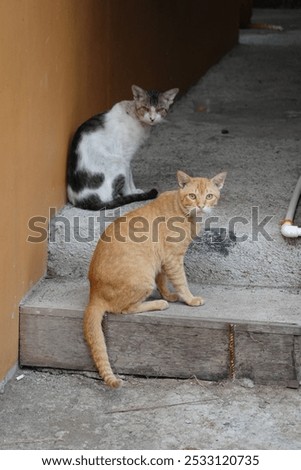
{"points": [[261, 114], [58, 410]]}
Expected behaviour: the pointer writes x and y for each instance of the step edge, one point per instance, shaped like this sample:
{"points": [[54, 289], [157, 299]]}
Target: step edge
{"points": [[240, 325]]}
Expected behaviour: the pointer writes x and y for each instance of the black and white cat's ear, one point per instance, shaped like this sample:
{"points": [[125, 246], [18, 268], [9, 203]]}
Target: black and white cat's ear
{"points": [[168, 96], [183, 179], [138, 93], [219, 180]]}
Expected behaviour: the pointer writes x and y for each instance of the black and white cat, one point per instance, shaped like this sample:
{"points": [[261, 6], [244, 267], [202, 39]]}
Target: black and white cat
{"points": [[99, 174]]}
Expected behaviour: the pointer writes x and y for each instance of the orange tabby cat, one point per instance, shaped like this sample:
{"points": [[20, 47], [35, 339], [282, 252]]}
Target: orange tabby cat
{"points": [[140, 250]]}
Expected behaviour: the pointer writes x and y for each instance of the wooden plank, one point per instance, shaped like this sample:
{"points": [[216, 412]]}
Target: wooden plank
{"points": [[297, 357], [177, 314], [264, 358], [163, 350], [152, 349], [53, 341]]}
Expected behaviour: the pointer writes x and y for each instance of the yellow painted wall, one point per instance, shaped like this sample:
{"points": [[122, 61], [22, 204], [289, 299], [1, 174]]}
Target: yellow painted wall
{"points": [[62, 61]]}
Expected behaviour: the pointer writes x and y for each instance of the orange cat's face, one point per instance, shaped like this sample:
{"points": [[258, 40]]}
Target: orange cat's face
{"points": [[199, 195]]}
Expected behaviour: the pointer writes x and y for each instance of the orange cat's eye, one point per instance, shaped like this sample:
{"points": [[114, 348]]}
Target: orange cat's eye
{"points": [[192, 196], [209, 196]]}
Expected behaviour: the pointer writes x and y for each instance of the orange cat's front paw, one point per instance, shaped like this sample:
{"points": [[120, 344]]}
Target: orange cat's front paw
{"points": [[196, 301], [162, 305]]}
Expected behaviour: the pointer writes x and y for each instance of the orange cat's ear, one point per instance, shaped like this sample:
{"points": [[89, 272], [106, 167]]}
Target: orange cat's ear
{"points": [[219, 180], [183, 179]]}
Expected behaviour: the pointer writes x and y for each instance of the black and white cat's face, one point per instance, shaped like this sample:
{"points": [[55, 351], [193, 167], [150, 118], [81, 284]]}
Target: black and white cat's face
{"points": [[152, 106]]}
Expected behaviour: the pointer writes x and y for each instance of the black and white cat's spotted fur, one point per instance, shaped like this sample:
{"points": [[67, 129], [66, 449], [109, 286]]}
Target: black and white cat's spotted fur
{"points": [[99, 173]]}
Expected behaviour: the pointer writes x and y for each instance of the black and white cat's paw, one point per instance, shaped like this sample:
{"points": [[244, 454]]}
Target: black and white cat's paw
{"points": [[138, 191], [153, 193]]}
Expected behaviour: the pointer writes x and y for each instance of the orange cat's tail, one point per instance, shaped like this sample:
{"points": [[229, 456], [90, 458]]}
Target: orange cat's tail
{"points": [[95, 338]]}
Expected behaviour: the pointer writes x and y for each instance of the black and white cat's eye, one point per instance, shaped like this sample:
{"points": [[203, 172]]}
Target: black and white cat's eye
{"points": [[209, 196], [192, 196]]}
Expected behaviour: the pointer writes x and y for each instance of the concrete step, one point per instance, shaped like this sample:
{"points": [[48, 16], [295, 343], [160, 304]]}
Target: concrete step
{"points": [[242, 250], [250, 333]]}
